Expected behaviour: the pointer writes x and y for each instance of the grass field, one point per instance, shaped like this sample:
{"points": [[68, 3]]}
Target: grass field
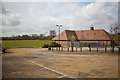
{"points": [[24, 43]]}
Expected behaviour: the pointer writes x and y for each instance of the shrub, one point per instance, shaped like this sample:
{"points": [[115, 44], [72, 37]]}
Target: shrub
{"points": [[45, 46], [53, 44]]}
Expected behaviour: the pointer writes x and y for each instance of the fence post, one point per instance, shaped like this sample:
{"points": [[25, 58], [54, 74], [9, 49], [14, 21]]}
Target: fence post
{"points": [[61, 48], [72, 49], [68, 49], [105, 49], [89, 47], [119, 49], [112, 45], [57, 48], [81, 49], [52, 48], [97, 49], [76, 49]]}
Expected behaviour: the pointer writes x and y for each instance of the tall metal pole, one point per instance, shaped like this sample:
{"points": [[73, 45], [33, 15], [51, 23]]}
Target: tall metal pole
{"points": [[82, 40], [59, 26], [44, 36]]}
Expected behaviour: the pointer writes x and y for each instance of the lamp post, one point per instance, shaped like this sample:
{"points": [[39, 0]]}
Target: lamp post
{"points": [[59, 26], [44, 35], [82, 40]]}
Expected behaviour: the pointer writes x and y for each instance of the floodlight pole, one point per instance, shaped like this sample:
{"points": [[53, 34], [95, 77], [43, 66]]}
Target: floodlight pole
{"points": [[59, 26], [44, 36], [82, 40]]}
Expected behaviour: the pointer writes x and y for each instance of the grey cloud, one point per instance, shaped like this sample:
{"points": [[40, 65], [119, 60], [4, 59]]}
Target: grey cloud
{"points": [[41, 18], [9, 18], [10, 22], [5, 11], [97, 14]]}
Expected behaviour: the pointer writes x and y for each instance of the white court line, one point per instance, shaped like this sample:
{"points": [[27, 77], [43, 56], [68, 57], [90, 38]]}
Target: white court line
{"points": [[52, 70], [62, 76], [75, 55], [48, 68], [15, 72]]}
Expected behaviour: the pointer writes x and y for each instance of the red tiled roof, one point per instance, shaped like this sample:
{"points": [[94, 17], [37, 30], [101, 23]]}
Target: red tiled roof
{"points": [[65, 35], [86, 35], [98, 34]]}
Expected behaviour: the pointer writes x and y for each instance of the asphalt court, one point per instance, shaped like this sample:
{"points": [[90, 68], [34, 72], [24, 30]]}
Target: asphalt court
{"points": [[41, 63]]}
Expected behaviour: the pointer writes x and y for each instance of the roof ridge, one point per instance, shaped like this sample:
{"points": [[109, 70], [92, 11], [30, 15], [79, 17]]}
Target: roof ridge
{"points": [[69, 30], [89, 30]]}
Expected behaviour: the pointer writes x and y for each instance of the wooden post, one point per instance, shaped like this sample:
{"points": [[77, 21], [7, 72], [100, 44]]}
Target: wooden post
{"points": [[56, 48], [105, 49], [68, 49], [97, 46], [112, 45], [106, 46], [62, 49], [52, 48], [81, 49], [119, 49], [90, 49], [72, 50], [97, 49], [76, 49]]}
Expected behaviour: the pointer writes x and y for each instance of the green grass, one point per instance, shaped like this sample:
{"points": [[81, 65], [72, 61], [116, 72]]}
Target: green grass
{"points": [[24, 43]]}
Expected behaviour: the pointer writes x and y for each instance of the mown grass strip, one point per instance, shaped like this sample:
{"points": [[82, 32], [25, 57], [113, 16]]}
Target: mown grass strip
{"points": [[24, 43]]}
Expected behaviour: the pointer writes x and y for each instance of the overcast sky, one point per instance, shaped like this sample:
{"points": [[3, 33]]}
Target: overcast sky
{"points": [[35, 17]]}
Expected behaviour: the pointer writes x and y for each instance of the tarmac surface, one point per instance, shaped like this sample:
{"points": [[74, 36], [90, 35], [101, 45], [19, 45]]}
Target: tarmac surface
{"points": [[41, 63], [0, 66]]}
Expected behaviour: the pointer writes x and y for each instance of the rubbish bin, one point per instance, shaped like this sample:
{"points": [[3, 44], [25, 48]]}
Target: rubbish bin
{"points": [[49, 48]]}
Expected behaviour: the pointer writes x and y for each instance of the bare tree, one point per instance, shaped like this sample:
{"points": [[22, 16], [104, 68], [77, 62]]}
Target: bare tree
{"points": [[52, 33], [115, 33], [114, 29]]}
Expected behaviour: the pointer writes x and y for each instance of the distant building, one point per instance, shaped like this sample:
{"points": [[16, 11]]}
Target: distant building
{"points": [[93, 37]]}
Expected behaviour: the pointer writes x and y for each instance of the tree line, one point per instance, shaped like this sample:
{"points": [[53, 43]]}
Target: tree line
{"points": [[52, 34], [114, 31]]}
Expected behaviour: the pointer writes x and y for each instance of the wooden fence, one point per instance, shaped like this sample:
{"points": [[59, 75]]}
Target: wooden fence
{"points": [[89, 49]]}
